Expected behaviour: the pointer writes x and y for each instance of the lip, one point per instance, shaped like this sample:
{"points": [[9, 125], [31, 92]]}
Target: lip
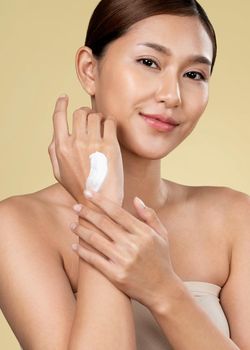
{"points": [[160, 122], [162, 118]]}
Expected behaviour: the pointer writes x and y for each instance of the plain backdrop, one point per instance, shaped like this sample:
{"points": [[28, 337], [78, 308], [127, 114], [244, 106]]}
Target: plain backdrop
{"points": [[39, 40]]}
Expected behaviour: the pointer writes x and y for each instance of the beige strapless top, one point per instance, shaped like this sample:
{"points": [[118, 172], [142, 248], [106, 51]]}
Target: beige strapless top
{"points": [[149, 335]]}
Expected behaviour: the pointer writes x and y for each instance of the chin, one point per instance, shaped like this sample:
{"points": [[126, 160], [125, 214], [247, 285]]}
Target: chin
{"points": [[135, 137]]}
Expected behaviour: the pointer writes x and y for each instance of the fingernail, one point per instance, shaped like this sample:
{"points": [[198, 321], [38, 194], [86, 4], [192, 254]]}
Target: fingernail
{"points": [[142, 205], [88, 194], [77, 207], [73, 225], [74, 246]]}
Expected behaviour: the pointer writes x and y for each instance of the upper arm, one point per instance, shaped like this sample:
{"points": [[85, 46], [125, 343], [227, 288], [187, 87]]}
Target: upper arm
{"points": [[236, 292], [35, 294]]}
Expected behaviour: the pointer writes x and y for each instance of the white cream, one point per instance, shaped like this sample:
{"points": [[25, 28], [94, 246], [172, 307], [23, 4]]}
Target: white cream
{"points": [[98, 171]]}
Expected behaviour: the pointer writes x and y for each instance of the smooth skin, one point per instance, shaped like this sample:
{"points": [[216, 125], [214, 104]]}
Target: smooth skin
{"points": [[69, 154], [207, 227]]}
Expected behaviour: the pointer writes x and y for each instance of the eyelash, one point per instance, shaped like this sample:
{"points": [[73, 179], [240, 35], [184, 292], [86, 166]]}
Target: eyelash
{"points": [[143, 60], [202, 77], [151, 61]]}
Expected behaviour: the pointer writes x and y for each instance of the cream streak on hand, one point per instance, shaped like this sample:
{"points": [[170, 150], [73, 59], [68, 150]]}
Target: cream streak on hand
{"points": [[98, 171]]}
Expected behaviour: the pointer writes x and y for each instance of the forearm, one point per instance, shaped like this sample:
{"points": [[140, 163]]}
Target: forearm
{"points": [[186, 325], [103, 314]]}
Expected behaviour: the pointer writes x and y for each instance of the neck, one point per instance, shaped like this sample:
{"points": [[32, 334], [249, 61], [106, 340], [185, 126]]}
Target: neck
{"points": [[142, 178]]}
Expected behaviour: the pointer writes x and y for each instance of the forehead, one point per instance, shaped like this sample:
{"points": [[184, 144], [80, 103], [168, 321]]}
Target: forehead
{"points": [[186, 34]]}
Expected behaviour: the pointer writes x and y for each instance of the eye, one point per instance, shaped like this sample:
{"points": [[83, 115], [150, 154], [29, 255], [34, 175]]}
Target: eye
{"points": [[148, 62], [195, 75]]}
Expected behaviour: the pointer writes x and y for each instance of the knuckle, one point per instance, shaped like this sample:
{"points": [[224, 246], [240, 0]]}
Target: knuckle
{"points": [[133, 247], [96, 145], [109, 146], [52, 143], [91, 237], [95, 115], [58, 114], [128, 257], [62, 154], [111, 120], [112, 125], [78, 143], [103, 221], [62, 149], [86, 109], [51, 148], [79, 113], [113, 274], [121, 276], [129, 261]]}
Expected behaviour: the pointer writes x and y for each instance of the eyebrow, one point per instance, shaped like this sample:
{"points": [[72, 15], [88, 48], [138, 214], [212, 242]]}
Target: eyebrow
{"points": [[168, 52]]}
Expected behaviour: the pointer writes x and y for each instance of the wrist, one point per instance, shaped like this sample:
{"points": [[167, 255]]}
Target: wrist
{"points": [[169, 297], [113, 196]]}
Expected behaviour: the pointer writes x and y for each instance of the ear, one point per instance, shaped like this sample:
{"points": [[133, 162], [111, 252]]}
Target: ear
{"points": [[85, 68]]}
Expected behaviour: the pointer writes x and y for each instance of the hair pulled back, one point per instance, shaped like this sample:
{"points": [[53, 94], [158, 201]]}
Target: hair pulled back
{"points": [[111, 19]]}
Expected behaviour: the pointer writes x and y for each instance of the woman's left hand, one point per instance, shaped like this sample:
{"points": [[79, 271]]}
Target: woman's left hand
{"points": [[134, 256]]}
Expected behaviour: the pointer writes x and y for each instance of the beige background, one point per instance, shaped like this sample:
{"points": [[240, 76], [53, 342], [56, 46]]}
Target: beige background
{"points": [[38, 45]]}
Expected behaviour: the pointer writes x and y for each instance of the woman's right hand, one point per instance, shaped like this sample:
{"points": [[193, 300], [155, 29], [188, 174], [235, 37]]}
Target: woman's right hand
{"points": [[69, 153]]}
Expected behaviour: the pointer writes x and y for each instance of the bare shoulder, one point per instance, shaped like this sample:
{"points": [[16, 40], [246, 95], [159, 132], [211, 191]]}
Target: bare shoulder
{"points": [[222, 209], [213, 197], [53, 195], [39, 215], [224, 194], [32, 235], [19, 209], [230, 204], [28, 207], [19, 213]]}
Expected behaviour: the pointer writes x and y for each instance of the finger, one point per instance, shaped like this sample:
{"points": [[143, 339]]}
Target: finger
{"points": [[95, 260], [95, 240], [109, 132], [116, 213], [101, 222], [79, 123], [94, 127], [150, 217], [61, 130]]}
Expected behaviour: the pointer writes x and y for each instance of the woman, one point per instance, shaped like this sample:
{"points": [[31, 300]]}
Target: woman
{"points": [[171, 275]]}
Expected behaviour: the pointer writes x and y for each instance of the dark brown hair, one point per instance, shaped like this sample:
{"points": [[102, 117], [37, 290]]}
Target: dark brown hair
{"points": [[112, 18]]}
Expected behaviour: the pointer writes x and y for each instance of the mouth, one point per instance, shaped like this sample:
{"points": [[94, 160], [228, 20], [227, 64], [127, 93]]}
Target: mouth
{"points": [[160, 122]]}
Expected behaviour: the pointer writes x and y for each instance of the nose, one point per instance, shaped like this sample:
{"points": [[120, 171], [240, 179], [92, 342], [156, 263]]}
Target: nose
{"points": [[169, 91]]}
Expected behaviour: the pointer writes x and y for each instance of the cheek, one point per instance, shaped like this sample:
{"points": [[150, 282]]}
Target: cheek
{"points": [[195, 102], [118, 92], [115, 93]]}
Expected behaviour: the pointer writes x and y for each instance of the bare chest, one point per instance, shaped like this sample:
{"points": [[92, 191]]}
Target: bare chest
{"points": [[199, 248]]}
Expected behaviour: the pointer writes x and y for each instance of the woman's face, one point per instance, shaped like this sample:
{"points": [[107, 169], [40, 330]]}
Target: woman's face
{"points": [[159, 69]]}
